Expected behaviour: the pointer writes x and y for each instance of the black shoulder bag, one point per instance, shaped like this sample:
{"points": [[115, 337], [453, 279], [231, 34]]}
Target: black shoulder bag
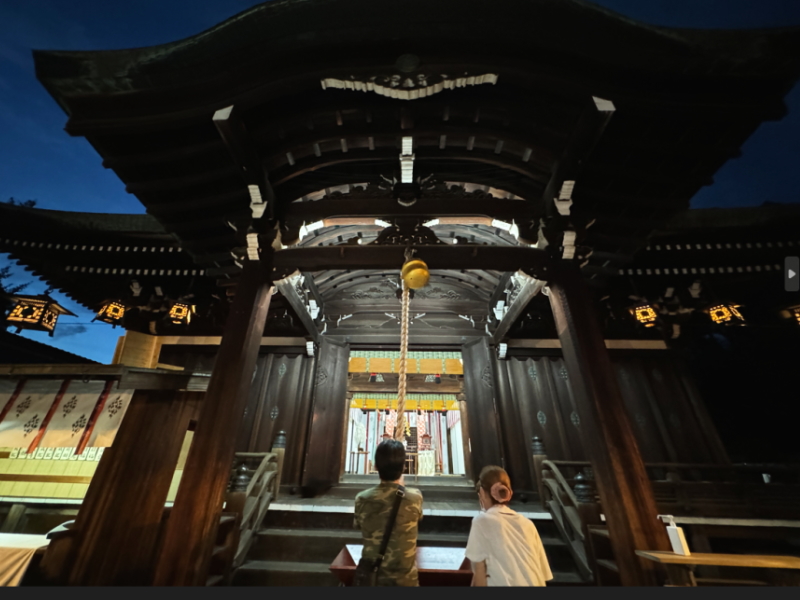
{"points": [[367, 569]]}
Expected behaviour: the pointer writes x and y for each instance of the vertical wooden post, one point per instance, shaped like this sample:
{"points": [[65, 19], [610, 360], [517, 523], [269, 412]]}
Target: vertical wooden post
{"points": [[192, 526], [625, 491], [323, 460], [539, 456], [485, 436], [279, 448], [467, 452], [113, 541]]}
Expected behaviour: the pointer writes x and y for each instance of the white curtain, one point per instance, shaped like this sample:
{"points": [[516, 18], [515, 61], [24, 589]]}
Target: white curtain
{"points": [[457, 446]]}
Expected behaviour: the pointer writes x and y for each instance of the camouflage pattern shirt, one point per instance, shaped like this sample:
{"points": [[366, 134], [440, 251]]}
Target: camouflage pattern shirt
{"points": [[373, 507]]}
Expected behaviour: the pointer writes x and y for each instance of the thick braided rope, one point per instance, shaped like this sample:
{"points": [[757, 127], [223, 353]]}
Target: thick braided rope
{"points": [[400, 427]]}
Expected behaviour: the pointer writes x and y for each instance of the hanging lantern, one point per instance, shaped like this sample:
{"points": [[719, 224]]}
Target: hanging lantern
{"points": [[38, 313], [726, 314], [645, 314], [180, 314], [793, 313], [111, 312], [415, 274]]}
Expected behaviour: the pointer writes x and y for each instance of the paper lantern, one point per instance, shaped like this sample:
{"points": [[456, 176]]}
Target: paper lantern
{"points": [[39, 313], [112, 312]]}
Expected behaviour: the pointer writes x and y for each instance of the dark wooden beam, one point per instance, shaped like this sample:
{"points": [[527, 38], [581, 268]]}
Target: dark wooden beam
{"points": [[364, 171], [530, 288], [315, 293], [427, 207], [192, 527], [242, 150], [287, 288], [625, 491], [426, 156], [499, 291], [587, 132], [418, 305], [389, 387], [497, 258]]}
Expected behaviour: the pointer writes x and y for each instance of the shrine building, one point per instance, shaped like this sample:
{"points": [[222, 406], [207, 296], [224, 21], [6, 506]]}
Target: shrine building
{"points": [[536, 158]]}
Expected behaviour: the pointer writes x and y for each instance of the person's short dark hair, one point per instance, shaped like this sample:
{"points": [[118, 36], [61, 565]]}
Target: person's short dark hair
{"points": [[390, 459]]}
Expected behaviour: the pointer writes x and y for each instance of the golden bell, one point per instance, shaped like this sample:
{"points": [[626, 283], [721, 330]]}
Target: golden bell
{"points": [[415, 274]]}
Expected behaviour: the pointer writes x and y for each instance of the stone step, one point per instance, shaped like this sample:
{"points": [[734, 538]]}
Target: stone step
{"points": [[414, 481], [272, 573], [284, 544], [429, 493], [291, 519]]}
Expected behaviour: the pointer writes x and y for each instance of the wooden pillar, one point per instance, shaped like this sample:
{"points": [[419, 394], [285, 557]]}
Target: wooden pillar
{"points": [[539, 456], [625, 491], [479, 389], [192, 526], [464, 418], [323, 462], [113, 541]]}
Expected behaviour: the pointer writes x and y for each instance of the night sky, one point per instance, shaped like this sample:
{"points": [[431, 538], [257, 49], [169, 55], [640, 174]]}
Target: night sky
{"points": [[39, 161]]}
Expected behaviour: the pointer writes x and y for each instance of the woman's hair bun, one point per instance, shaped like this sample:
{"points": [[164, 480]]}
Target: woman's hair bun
{"points": [[500, 492]]}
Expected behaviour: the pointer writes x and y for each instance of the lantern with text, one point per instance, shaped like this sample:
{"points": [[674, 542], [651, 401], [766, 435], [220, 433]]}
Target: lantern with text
{"points": [[112, 312], [726, 314], [645, 314], [39, 313], [180, 314]]}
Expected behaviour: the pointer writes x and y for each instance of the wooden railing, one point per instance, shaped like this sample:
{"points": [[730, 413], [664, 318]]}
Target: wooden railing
{"points": [[761, 496], [573, 506], [255, 483]]}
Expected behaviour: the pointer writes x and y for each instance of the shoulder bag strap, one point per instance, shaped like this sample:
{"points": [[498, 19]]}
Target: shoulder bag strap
{"points": [[401, 492]]}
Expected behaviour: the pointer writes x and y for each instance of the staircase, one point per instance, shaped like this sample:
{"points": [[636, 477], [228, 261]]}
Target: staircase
{"points": [[300, 538]]}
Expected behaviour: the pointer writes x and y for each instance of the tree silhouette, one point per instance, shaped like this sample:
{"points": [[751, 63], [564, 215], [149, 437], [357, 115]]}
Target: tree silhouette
{"points": [[26, 203]]}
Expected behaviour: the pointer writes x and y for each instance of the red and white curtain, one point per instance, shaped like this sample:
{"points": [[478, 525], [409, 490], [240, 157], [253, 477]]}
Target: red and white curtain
{"points": [[71, 405], [422, 426], [391, 422]]}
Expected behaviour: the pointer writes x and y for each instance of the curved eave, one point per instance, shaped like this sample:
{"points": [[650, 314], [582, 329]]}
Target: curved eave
{"points": [[280, 37], [685, 102]]}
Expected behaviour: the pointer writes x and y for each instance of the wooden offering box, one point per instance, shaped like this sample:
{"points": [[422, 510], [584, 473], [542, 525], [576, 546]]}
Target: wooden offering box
{"points": [[437, 566]]}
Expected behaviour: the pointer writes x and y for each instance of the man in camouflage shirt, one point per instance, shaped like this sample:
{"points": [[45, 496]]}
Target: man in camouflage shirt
{"points": [[373, 507]]}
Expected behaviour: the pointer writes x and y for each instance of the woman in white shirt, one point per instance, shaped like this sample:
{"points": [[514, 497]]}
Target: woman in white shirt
{"points": [[504, 547]]}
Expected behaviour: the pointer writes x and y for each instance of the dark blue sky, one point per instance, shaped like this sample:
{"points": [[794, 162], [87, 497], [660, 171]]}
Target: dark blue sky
{"points": [[38, 160]]}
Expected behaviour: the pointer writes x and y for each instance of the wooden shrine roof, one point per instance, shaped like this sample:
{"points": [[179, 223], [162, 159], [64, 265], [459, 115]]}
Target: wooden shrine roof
{"points": [[498, 97], [94, 257], [685, 102], [15, 349]]}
